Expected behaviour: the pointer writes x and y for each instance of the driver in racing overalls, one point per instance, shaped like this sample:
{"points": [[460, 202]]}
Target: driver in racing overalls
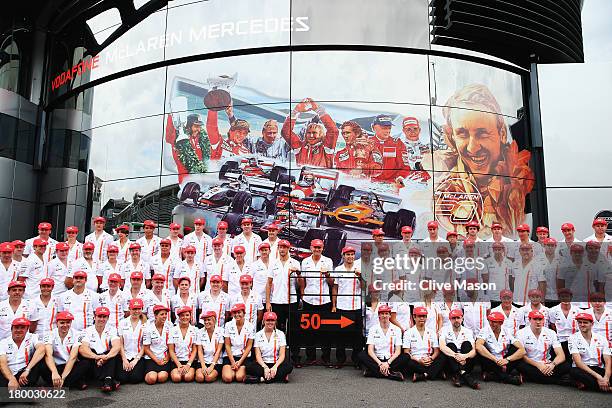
{"points": [[415, 149], [237, 142], [356, 157], [388, 153], [317, 147]]}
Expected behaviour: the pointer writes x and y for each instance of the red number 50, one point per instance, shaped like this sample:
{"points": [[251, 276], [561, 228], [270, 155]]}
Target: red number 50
{"points": [[307, 321]]}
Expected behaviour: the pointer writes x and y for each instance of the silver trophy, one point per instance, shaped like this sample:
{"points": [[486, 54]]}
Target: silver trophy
{"points": [[218, 96], [180, 114]]}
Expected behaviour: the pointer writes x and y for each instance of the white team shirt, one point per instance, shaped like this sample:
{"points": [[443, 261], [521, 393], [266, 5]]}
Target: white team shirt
{"points": [[158, 342], [175, 247], [603, 325], [18, 357], [7, 315], [34, 270], [194, 272], [82, 307], [250, 245], [46, 314], [551, 272], [593, 352], [178, 302], [565, 325], [218, 304], [100, 343], [446, 309], [101, 243], [124, 251], [75, 251], [91, 270], [209, 343], [58, 271], [499, 272], [496, 345], [132, 336], [239, 338], [385, 344], [283, 289], [475, 315], [252, 303], [449, 336], [526, 278], [183, 345], [151, 300], [214, 266], [6, 276], [62, 348], [129, 266], [165, 268], [349, 286], [202, 244], [259, 272], [270, 348], [538, 348], [420, 346], [273, 248], [105, 270], [116, 305], [233, 277], [316, 291], [148, 249], [49, 251], [523, 314]]}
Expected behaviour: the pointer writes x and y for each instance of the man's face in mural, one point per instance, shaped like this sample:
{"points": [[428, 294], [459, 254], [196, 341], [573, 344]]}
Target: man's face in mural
{"points": [[382, 132], [270, 132], [313, 135], [349, 135], [478, 140], [238, 135], [196, 129]]}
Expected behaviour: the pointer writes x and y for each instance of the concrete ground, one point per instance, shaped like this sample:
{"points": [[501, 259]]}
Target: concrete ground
{"points": [[323, 387]]}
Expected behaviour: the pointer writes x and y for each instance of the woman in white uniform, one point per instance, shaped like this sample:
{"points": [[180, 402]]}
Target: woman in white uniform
{"points": [[182, 347], [239, 336], [132, 369], [210, 342], [155, 344]]}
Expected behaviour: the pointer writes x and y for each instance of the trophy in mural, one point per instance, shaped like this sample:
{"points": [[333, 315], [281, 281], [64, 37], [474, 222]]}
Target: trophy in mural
{"points": [[218, 96], [178, 106]]}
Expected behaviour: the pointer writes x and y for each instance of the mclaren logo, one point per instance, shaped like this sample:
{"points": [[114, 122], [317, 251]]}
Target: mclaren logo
{"points": [[458, 207]]}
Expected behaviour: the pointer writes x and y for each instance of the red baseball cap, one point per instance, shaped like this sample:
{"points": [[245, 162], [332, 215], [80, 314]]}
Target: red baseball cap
{"points": [[285, 243], [469, 243], [149, 223], [174, 225], [13, 284], [432, 224], [189, 249], [44, 226], [473, 224], [384, 308], [273, 226], [535, 314], [542, 229], [264, 245], [39, 242], [584, 316], [246, 220], [217, 241], [18, 243], [72, 228], [237, 307], [122, 228], [114, 277], [137, 275], [158, 277], [600, 221], [593, 244], [410, 120], [158, 308], [184, 309], [99, 219], [316, 243], [420, 311], [102, 311], [576, 248], [216, 278], [239, 249], [46, 281], [165, 241], [452, 234], [549, 241], [496, 317], [406, 229], [134, 245], [136, 303], [112, 249], [20, 321], [246, 279], [523, 227], [348, 248], [270, 316], [222, 224], [496, 225], [377, 232], [62, 246], [498, 245], [505, 292], [89, 246], [208, 314], [567, 226], [199, 221], [64, 315], [6, 247], [80, 274], [534, 292], [455, 313]]}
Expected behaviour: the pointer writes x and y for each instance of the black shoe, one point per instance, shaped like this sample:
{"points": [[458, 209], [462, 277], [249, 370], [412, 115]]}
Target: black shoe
{"points": [[455, 380], [566, 380], [251, 379], [367, 373], [107, 385], [286, 379], [514, 380], [469, 380], [416, 377], [116, 385], [396, 376]]}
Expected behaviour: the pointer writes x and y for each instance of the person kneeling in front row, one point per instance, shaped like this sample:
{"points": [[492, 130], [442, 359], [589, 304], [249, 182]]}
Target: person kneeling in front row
{"points": [[500, 351], [592, 364], [383, 357], [20, 354], [271, 363], [457, 343], [421, 344]]}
